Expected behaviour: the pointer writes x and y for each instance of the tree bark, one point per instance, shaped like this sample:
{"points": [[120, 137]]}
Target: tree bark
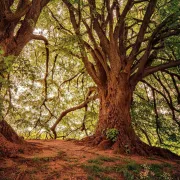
{"points": [[114, 113], [8, 132]]}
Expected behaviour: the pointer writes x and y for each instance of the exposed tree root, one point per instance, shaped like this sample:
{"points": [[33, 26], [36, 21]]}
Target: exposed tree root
{"points": [[136, 147]]}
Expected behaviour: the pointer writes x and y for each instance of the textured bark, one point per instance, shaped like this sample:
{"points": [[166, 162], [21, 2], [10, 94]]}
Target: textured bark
{"points": [[114, 112], [13, 42], [7, 131]]}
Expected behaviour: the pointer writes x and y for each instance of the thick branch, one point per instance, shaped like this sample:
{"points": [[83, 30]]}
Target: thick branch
{"points": [[161, 67], [64, 113], [21, 11], [142, 31]]}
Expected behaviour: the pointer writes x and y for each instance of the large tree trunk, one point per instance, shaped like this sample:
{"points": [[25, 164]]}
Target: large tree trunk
{"points": [[10, 143], [115, 103], [8, 132], [114, 113]]}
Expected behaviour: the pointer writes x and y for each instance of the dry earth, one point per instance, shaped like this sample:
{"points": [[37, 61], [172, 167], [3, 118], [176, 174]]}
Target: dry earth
{"points": [[68, 160]]}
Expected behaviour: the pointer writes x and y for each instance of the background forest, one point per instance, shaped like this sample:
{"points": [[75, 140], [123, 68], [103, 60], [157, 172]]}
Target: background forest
{"points": [[49, 83]]}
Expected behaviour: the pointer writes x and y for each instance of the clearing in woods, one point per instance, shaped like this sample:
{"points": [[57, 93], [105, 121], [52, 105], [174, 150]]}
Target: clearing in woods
{"points": [[70, 160]]}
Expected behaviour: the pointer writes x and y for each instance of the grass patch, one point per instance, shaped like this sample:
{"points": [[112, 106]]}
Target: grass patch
{"points": [[94, 171], [136, 171], [130, 170], [156, 171], [42, 159], [127, 160], [107, 159], [95, 161], [70, 159], [101, 159]]}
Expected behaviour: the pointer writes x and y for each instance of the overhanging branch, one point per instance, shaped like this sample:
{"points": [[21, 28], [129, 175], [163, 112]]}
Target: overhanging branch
{"points": [[161, 67], [64, 113], [42, 38]]}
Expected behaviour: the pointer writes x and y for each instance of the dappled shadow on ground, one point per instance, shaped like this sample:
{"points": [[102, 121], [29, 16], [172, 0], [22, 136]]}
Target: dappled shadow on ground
{"points": [[58, 159]]}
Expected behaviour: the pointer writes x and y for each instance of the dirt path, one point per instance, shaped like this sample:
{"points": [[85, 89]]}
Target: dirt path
{"points": [[66, 160]]}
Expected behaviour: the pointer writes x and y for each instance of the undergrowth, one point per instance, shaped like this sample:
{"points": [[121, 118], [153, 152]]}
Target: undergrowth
{"points": [[99, 169]]}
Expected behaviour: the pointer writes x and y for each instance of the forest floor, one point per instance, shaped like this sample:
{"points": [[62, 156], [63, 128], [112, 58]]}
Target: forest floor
{"points": [[69, 160]]}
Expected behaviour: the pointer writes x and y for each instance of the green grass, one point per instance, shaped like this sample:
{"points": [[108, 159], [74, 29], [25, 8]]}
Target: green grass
{"points": [[94, 171], [128, 170], [42, 159], [131, 170], [95, 168], [95, 161], [101, 159], [107, 159], [101, 178]]}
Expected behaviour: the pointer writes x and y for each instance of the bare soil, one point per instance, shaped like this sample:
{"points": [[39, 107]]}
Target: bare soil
{"points": [[69, 160]]}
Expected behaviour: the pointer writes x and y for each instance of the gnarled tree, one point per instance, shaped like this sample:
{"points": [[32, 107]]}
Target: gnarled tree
{"points": [[17, 23], [121, 43]]}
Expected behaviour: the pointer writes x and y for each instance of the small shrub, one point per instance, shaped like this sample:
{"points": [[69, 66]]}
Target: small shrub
{"points": [[112, 134]]}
